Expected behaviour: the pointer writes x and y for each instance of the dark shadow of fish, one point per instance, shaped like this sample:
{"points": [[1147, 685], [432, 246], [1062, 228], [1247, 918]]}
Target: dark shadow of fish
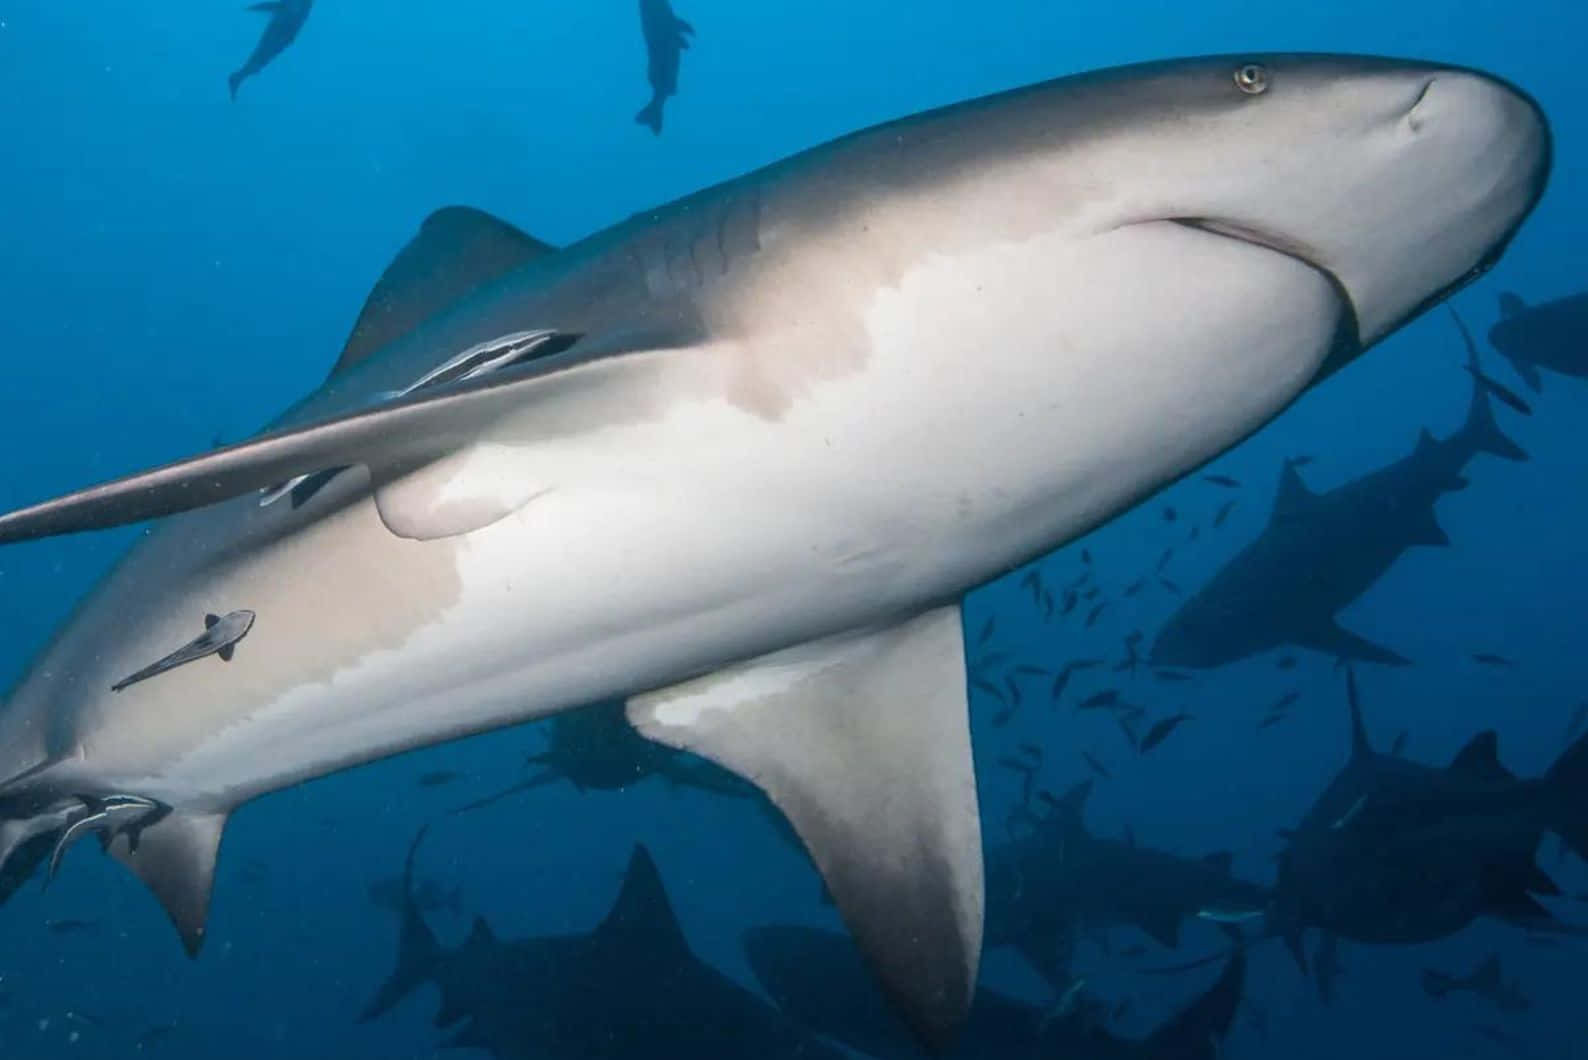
{"points": [[1398, 852], [286, 19], [666, 37], [629, 987], [596, 749], [1552, 335], [1322, 551], [817, 978]]}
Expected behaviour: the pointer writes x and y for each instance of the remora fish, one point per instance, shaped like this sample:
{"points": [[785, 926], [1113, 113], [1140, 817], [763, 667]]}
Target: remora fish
{"points": [[749, 410], [286, 19]]}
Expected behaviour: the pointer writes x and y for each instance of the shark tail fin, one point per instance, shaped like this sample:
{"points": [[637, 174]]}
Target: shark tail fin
{"points": [[418, 952], [650, 115], [1207, 1019], [1481, 432], [1568, 780]]}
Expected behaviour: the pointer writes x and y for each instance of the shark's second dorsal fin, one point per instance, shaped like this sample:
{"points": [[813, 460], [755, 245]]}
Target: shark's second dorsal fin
{"points": [[642, 916], [1480, 758], [456, 251], [1360, 748], [1293, 498], [862, 740]]}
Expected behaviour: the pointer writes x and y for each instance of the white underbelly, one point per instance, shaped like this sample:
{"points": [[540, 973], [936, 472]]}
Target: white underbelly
{"points": [[1007, 404]]}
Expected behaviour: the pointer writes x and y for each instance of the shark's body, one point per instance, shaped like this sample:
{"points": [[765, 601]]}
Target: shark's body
{"points": [[738, 459], [1048, 887], [666, 38], [1395, 851], [629, 988], [1551, 335], [817, 978], [1319, 552], [286, 19]]}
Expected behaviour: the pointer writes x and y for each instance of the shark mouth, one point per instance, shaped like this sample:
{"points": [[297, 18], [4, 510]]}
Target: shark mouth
{"points": [[1348, 341]]}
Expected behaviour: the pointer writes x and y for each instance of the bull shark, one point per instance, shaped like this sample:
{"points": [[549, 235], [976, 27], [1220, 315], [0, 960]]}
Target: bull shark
{"points": [[666, 38], [629, 987], [1319, 552], [1046, 886], [1395, 851], [286, 19], [817, 978], [1552, 335], [738, 459]]}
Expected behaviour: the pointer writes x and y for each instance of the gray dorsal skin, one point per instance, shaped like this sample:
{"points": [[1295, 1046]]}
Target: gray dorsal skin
{"points": [[1321, 551], [666, 38], [286, 19], [1394, 851], [456, 251], [1543, 335], [791, 421], [630, 986], [818, 979], [220, 637]]}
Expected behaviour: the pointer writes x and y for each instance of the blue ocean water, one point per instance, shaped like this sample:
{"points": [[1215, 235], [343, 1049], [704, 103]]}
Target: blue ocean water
{"points": [[179, 267]]}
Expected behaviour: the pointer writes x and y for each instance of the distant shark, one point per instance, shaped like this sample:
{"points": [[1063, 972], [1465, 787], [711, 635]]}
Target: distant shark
{"points": [[1398, 852], [1046, 888], [818, 979], [286, 19], [1321, 551], [739, 459], [596, 749], [1552, 335], [666, 38], [630, 987], [1486, 981]]}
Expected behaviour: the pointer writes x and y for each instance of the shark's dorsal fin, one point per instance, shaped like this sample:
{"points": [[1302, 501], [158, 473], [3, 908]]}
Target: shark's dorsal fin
{"points": [[456, 251], [1480, 758], [1293, 498], [642, 916], [175, 858], [862, 740], [1360, 748], [1511, 304], [1073, 802]]}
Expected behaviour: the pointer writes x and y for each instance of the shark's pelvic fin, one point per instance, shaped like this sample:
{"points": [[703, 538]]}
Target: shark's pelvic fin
{"points": [[175, 858], [863, 741], [1334, 639], [456, 251]]}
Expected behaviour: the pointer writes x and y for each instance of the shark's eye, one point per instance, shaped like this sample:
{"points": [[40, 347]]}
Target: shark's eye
{"points": [[1252, 79]]}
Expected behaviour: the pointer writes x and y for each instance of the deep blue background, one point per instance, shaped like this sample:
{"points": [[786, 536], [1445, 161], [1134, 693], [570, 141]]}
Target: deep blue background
{"points": [[175, 268]]}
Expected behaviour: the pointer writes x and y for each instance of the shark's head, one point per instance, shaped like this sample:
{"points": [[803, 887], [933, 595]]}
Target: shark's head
{"points": [[1400, 181]]}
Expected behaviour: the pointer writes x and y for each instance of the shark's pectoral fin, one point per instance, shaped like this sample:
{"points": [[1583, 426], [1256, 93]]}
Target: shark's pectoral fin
{"points": [[175, 858], [863, 741], [1334, 639]]}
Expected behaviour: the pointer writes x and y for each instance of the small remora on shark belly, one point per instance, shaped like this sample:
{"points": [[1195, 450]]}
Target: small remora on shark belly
{"points": [[764, 441]]}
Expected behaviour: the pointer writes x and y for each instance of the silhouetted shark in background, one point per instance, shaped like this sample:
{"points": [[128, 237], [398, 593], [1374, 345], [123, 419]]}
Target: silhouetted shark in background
{"points": [[666, 37], [817, 978], [1321, 551], [1394, 851], [286, 19], [597, 749], [1047, 887], [630, 987], [1486, 981], [1551, 335]]}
